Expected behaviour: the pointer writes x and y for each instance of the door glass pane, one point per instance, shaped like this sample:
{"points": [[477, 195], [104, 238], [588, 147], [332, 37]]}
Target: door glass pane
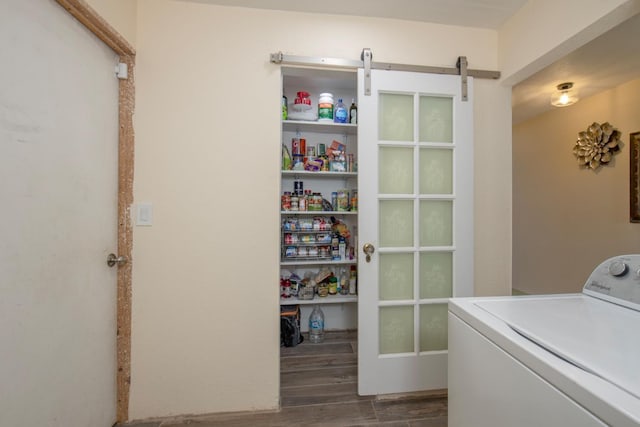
{"points": [[433, 327], [436, 275], [396, 276], [395, 172], [396, 329], [436, 223], [396, 223], [396, 117], [436, 119], [436, 171]]}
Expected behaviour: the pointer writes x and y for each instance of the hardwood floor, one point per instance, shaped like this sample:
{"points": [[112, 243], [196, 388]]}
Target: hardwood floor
{"points": [[318, 387]]}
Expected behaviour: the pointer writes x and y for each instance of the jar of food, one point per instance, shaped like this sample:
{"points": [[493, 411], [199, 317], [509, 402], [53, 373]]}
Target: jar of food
{"points": [[315, 204], [323, 289], [285, 201], [333, 285], [325, 107]]}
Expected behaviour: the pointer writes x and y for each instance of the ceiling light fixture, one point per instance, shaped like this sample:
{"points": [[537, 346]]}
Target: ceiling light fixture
{"points": [[564, 96]]}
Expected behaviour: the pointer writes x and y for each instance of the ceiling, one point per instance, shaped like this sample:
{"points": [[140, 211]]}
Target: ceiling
{"points": [[467, 13], [604, 63]]}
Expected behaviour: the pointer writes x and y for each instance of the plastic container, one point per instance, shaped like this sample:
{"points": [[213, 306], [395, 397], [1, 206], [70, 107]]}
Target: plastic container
{"points": [[333, 285], [285, 108], [325, 107], [344, 283], [341, 112], [353, 280], [316, 325], [302, 101]]}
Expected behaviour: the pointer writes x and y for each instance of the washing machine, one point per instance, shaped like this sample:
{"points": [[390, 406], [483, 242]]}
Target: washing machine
{"points": [[549, 360]]}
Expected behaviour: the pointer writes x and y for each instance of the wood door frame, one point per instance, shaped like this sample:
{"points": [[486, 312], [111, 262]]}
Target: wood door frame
{"points": [[88, 17]]}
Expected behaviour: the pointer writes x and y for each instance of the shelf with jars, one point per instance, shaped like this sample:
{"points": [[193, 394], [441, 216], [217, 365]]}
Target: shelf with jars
{"points": [[319, 198]]}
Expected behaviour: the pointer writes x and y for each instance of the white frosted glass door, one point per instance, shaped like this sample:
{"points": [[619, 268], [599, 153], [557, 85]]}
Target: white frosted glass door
{"points": [[416, 203]]}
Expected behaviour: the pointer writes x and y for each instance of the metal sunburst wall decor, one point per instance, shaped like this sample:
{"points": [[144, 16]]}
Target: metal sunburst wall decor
{"points": [[597, 145]]}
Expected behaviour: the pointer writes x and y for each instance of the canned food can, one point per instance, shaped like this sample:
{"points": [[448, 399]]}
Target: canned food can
{"points": [[311, 151], [285, 201], [298, 161]]}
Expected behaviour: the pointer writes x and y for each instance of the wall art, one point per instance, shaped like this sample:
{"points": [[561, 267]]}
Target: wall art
{"points": [[597, 145]]}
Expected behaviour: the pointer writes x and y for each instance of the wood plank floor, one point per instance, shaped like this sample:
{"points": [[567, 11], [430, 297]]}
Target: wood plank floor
{"points": [[318, 387]]}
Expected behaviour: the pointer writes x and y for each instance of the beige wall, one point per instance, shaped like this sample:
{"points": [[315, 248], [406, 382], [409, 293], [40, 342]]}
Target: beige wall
{"points": [[566, 219], [120, 14], [205, 310], [544, 31], [205, 300]]}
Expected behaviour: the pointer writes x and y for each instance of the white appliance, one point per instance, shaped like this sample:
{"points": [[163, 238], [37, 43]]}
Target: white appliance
{"points": [[551, 360]]}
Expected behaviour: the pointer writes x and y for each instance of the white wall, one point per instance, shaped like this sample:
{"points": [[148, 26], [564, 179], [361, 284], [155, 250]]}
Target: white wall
{"points": [[567, 220], [120, 14], [205, 299]]}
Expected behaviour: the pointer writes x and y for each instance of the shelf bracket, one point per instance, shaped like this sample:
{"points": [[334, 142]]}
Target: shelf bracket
{"points": [[462, 69], [366, 57]]}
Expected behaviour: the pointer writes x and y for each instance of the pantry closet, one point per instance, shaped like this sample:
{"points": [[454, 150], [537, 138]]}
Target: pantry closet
{"points": [[407, 163]]}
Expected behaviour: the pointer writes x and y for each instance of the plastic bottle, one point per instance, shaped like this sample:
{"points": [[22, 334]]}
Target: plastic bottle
{"points": [[353, 280], [342, 244], [353, 112], [341, 113], [285, 108], [344, 283], [316, 325], [325, 107]]}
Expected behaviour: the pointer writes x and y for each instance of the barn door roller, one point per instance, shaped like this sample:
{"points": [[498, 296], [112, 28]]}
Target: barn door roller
{"points": [[366, 62]]}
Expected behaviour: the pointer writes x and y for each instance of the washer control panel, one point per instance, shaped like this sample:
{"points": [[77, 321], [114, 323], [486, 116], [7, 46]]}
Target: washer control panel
{"points": [[616, 280]]}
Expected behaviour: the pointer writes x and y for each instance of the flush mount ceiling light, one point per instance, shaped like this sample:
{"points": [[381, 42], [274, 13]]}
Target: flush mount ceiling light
{"points": [[564, 96]]}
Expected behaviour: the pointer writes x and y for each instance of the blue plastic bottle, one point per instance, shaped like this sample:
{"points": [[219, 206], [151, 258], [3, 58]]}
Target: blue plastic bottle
{"points": [[341, 112]]}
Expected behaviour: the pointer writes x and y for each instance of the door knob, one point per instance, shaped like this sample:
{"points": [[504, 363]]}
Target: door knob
{"points": [[368, 249], [112, 260]]}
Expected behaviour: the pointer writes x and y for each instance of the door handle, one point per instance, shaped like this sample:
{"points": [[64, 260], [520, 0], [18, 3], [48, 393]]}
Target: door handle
{"points": [[112, 260], [368, 249]]}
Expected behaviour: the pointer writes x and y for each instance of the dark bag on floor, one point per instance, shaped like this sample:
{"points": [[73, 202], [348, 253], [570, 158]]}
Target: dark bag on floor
{"points": [[290, 335]]}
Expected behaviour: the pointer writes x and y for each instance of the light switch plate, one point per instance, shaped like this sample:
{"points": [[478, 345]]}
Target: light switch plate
{"points": [[144, 214]]}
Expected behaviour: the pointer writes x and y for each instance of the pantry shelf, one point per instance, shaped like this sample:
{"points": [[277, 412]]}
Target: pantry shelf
{"points": [[324, 160], [313, 213], [318, 174], [319, 262], [330, 299], [335, 128]]}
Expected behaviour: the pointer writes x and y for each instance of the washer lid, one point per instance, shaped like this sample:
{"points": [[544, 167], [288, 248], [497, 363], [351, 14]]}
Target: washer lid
{"points": [[600, 337]]}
